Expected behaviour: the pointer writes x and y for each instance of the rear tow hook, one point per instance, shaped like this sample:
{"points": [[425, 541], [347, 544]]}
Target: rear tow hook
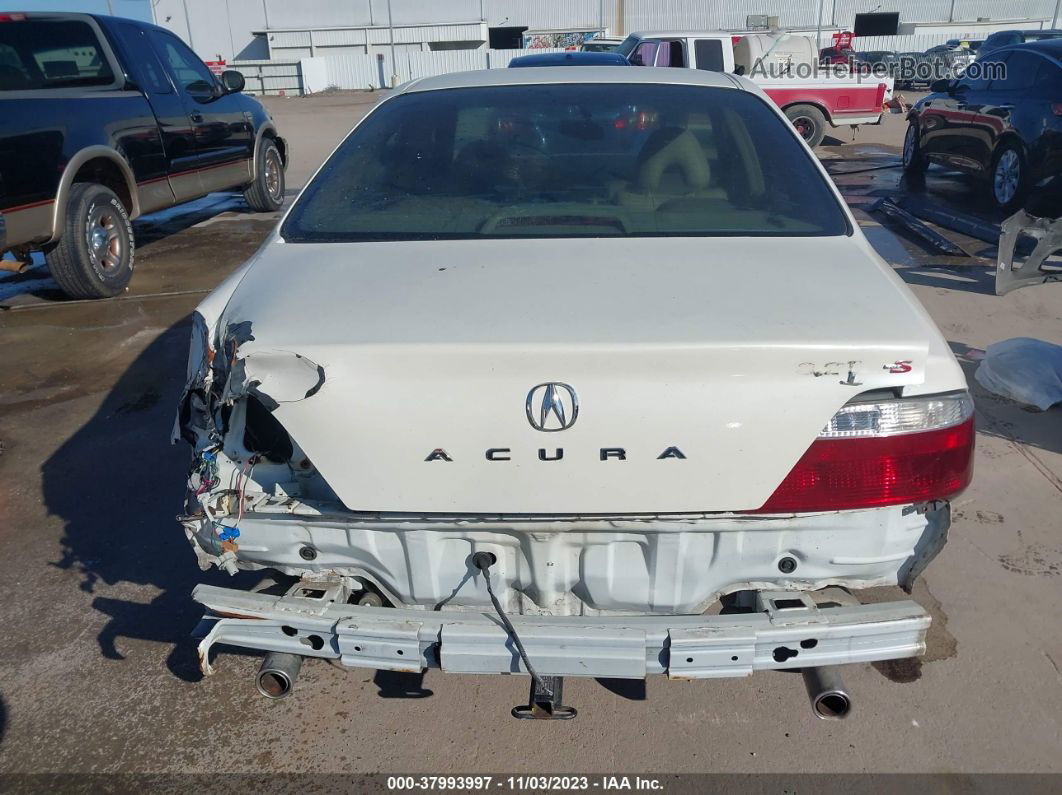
{"points": [[544, 703]]}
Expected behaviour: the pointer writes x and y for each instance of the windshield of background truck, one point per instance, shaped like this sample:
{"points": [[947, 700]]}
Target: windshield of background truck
{"points": [[568, 160]]}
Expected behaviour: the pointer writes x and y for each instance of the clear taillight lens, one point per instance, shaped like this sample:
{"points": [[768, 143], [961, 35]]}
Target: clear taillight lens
{"points": [[891, 417], [889, 452]]}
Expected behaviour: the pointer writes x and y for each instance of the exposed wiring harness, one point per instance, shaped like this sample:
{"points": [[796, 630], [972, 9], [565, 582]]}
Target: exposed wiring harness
{"points": [[209, 479], [483, 561], [207, 471]]}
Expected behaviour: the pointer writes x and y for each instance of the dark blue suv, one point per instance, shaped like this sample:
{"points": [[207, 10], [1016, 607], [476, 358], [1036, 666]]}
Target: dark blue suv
{"points": [[1001, 121]]}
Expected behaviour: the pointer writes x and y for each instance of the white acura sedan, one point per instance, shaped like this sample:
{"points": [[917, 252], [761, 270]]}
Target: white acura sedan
{"points": [[545, 364]]}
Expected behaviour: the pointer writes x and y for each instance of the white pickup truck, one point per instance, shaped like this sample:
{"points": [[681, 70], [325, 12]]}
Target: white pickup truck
{"points": [[544, 363], [784, 66]]}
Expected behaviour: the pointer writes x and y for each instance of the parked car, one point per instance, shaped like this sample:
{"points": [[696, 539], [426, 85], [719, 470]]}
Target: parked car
{"points": [[973, 45], [874, 57], [813, 103], [534, 404], [837, 56], [569, 59], [1007, 38], [103, 119], [953, 58], [885, 63], [1002, 126], [601, 44], [914, 70]]}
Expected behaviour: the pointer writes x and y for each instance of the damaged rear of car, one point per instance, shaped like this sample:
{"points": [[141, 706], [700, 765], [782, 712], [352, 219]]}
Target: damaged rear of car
{"points": [[545, 364]]}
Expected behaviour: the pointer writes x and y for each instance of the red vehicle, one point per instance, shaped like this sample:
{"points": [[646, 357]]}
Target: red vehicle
{"points": [[837, 56], [782, 65]]}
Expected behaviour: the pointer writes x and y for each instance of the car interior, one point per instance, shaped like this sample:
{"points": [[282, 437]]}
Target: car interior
{"points": [[582, 164]]}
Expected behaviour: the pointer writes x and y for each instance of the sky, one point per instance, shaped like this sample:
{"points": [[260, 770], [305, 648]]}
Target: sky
{"points": [[135, 9]]}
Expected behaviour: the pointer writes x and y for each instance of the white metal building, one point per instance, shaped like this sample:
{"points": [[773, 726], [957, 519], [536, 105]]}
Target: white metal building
{"points": [[257, 29], [292, 43]]}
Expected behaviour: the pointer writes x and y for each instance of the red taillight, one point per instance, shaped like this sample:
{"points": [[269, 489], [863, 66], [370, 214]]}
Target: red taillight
{"points": [[1056, 108], [15, 16], [844, 474]]}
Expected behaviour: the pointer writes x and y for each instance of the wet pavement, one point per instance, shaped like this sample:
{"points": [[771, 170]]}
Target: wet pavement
{"points": [[98, 674]]}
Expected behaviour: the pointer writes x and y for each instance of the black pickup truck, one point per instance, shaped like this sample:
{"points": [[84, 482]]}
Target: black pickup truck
{"points": [[103, 119]]}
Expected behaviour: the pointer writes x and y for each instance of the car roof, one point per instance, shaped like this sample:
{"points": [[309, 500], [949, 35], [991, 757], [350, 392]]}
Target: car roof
{"points": [[574, 74], [1052, 48], [572, 58], [103, 20], [679, 34]]}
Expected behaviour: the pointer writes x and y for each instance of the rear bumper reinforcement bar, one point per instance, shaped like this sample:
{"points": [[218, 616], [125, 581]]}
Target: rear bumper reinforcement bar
{"points": [[789, 630]]}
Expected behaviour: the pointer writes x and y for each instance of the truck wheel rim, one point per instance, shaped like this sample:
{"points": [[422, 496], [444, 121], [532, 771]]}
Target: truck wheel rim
{"points": [[1005, 180], [804, 126], [908, 146], [104, 239], [272, 175]]}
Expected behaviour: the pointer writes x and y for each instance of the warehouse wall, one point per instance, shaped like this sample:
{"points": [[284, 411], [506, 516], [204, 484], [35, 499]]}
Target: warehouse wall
{"points": [[731, 14], [218, 27], [224, 26]]}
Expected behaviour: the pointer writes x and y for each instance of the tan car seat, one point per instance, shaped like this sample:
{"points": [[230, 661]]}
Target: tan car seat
{"points": [[672, 165]]}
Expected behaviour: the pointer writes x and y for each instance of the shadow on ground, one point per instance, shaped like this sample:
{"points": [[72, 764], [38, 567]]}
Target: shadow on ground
{"points": [[970, 277], [630, 689], [156, 226], [148, 230], [118, 485], [398, 684]]}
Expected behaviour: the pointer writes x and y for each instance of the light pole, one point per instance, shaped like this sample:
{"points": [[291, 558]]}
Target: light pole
{"points": [[818, 30], [188, 23], [1054, 19], [391, 29]]}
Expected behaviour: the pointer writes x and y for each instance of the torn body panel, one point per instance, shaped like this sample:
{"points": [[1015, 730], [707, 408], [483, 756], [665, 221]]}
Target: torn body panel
{"points": [[1047, 233], [225, 415]]}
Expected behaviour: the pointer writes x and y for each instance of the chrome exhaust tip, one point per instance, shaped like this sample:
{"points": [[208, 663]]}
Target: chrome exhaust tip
{"points": [[827, 693], [276, 678]]}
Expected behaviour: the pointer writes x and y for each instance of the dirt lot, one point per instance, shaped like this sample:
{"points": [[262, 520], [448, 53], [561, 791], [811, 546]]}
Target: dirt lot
{"points": [[97, 672]]}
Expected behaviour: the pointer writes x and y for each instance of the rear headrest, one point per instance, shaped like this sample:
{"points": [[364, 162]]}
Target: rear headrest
{"points": [[672, 147], [61, 69]]}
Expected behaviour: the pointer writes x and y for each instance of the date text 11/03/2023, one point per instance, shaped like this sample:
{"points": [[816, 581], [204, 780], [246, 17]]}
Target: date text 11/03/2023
{"points": [[521, 783]]}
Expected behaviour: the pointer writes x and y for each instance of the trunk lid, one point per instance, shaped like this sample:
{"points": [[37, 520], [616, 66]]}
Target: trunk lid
{"points": [[711, 363]]}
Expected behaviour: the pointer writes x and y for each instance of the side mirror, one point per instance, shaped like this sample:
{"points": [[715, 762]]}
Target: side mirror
{"points": [[202, 91], [232, 81], [942, 86]]}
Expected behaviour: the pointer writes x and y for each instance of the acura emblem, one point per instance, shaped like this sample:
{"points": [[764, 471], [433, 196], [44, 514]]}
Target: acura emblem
{"points": [[552, 407]]}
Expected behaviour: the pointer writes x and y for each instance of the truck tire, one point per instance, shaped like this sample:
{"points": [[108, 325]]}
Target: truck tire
{"points": [[809, 121], [1008, 182], [94, 255], [266, 193], [914, 162]]}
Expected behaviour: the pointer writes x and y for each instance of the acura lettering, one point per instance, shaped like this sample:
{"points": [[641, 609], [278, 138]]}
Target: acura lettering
{"points": [[555, 454]]}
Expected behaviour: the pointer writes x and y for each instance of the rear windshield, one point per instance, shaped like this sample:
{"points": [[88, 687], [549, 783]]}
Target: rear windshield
{"points": [[51, 53], [568, 160]]}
